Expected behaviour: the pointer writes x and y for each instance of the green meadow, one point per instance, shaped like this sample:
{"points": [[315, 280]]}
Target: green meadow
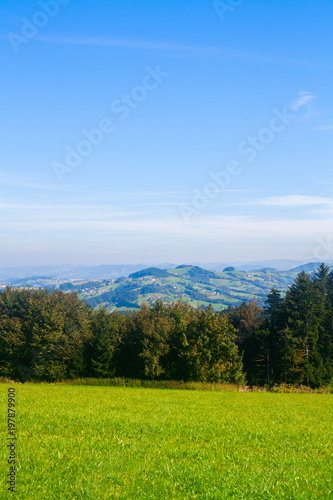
{"points": [[80, 442]]}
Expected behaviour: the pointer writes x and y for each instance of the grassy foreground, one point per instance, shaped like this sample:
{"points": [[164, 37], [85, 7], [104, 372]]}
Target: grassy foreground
{"points": [[80, 442]]}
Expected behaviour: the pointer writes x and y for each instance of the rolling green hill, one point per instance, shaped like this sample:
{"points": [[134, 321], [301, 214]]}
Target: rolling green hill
{"points": [[190, 283]]}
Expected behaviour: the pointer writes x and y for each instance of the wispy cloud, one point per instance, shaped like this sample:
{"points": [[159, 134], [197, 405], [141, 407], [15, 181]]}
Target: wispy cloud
{"points": [[318, 180], [296, 200], [114, 42], [15, 182], [287, 201], [304, 98], [173, 47], [217, 229], [329, 126]]}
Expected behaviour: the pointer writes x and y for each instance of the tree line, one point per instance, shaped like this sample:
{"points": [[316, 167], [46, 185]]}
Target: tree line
{"points": [[52, 335]]}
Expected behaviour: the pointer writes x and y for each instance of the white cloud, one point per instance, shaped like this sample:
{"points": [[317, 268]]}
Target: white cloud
{"points": [[296, 200], [304, 98]]}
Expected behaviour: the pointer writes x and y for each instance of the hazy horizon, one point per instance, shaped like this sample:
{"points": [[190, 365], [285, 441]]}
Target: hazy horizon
{"points": [[278, 264]]}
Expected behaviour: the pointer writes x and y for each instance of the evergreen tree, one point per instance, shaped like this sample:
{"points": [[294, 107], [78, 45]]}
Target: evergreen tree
{"points": [[302, 307], [102, 349]]}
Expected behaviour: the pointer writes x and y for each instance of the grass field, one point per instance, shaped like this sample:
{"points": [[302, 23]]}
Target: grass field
{"points": [[78, 442]]}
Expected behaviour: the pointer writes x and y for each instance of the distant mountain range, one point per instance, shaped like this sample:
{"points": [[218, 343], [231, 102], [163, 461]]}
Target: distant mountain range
{"points": [[191, 283], [72, 272], [197, 286]]}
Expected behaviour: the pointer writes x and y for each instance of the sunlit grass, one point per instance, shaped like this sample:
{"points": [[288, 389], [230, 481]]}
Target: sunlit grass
{"points": [[79, 442]]}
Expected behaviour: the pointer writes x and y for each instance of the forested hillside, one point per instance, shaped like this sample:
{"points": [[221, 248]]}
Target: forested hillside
{"points": [[53, 335]]}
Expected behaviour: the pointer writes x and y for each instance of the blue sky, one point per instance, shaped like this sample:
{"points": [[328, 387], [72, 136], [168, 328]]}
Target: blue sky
{"points": [[154, 131]]}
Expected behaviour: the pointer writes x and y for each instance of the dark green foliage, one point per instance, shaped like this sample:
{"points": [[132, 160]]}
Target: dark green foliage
{"points": [[151, 271], [67, 287], [198, 274], [103, 347], [210, 352], [292, 342], [42, 334], [103, 297], [52, 335], [153, 288]]}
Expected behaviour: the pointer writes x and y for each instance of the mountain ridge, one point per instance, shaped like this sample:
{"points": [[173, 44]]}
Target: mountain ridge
{"points": [[104, 271]]}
